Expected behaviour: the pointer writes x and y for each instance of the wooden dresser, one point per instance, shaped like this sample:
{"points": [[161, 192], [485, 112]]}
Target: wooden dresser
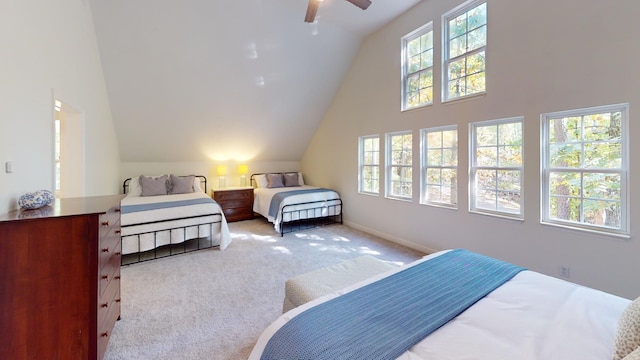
{"points": [[236, 203], [60, 279]]}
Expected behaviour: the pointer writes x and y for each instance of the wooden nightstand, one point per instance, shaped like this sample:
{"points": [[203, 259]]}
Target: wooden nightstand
{"points": [[236, 203]]}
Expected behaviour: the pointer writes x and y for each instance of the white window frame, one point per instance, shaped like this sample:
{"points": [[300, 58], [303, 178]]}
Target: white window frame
{"points": [[623, 171], [446, 59], [423, 30], [391, 165], [474, 168], [426, 166], [363, 164]]}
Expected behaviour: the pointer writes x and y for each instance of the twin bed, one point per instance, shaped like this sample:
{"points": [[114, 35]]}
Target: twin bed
{"points": [[458, 305], [168, 215], [284, 200]]}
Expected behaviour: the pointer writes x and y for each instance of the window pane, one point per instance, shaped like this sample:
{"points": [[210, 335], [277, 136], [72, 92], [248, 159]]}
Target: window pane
{"points": [[433, 176], [563, 208], [449, 177], [486, 199], [450, 157], [487, 156], [565, 130], [457, 46], [426, 79], [457, 69], [508, 202], [458, 26], [602, 186], [413, 47], [487, 135], [414, 63], [603, 155], [426, 95], [450, 139], [475, 63], [434, 193], [477, 38], [565, 155], [434, 157], [565, 184], [434, 140], [486, 179], [510, 156], [426, 59], [604, 213], [426, 41], [477, 16], [509, 180]]}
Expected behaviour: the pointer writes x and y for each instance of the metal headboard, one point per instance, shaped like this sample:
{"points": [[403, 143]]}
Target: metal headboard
{"points": [[203, 180]]}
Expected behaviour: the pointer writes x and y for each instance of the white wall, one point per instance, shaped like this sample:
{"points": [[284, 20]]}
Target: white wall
{"points": [[48, 48], [542, 56]]}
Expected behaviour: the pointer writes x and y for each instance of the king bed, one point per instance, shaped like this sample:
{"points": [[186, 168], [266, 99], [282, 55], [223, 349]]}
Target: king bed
{"points": [[458, 305], [284, 200], [168, 215]]}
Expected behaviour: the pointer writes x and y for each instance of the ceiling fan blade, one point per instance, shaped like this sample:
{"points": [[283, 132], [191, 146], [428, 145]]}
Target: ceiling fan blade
{"points": [[362, 4], [312, 9]]}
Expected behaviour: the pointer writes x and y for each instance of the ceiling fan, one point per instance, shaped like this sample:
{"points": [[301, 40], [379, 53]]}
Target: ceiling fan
{"points": [[312, 9]]}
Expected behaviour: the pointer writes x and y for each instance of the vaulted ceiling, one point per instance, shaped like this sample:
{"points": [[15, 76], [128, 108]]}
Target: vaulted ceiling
{"points": [[195, 80]]}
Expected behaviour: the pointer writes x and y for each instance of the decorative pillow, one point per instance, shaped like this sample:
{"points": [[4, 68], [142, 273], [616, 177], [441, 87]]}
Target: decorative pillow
{"points": [[635, 355], [181, 184], [35, 200], [628, 333], [291, 180], [275, 180], [154, 186], [196, 185], [134, 188], [261, 180]]}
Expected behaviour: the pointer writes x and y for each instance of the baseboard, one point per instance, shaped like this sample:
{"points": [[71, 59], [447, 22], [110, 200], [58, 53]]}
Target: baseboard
{"points": [[391, 238]]}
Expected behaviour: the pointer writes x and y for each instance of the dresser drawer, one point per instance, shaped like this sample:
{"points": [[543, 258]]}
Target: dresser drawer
{"points": [[237, 214], [109, 269], [108, 299], [238, 194], [105, 326]]}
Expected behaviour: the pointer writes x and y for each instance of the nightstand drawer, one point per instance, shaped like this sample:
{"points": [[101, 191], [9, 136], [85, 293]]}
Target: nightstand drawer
{"points": [[241, 194], [238, 214]]}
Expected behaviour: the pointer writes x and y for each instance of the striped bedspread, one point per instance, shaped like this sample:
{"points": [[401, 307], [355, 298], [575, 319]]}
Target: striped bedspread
{"points": [[127, 209], [384, 319], [277, 198]]}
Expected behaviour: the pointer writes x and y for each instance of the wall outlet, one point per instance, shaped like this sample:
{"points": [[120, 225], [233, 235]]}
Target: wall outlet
{"points": [[565, 271]]}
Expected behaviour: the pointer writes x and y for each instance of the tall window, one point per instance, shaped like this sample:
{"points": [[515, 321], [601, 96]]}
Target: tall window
{"points": [[464, 43], [496, 167], [417, 68], [440, 166], [585, 169], [399, 165], [369, 169]]}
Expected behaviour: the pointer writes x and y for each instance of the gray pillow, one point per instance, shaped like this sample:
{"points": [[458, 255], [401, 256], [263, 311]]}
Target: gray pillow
{"points": [[291, 180], [153, 186], [275, 180], [181, 184]]}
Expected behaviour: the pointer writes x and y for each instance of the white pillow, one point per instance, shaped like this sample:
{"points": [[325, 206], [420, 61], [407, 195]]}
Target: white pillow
{"points": [[261, 180], [196, 185], [300, 179]]}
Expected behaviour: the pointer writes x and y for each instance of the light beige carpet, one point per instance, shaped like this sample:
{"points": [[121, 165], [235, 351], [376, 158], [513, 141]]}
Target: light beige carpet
{"points": [[214, 304]]}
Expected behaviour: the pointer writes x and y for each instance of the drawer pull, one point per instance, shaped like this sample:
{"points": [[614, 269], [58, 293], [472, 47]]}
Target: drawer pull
{"points": [[104, 277], [104, 334], [118, 253], [105, 305], [117, 210], [117, 300], [105, 250], [117, 231], [105, 223], [117, 277]]}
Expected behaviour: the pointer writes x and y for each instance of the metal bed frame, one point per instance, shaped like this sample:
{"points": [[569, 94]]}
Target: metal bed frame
{"points": [[307, 218], [170, 249]]}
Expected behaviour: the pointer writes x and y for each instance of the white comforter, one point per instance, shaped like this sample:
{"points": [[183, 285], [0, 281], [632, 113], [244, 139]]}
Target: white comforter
{"points": [[532, 316], [262, 202], [194, 227]]}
